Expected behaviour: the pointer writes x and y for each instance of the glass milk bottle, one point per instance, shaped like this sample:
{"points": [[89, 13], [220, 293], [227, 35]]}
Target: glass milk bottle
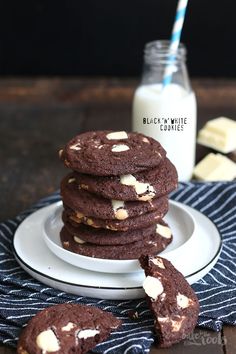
{"points": [[168, 114]]}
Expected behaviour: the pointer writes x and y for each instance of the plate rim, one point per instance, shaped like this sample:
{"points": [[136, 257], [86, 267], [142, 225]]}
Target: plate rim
{"points": [[18, 258]]}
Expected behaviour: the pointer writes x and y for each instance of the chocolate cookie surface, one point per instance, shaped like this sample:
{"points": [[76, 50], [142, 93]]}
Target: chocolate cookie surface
{"points": [[105, 153], [143, 186], [65, 329], [108, 237], [134, 223], [152, 244], [95, 206], [171, 299]]}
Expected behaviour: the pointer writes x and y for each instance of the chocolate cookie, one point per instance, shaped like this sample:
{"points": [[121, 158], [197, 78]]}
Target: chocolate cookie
{"points": [[173, 302], [152, 244], [99, 207], [105, 153], [120, 225], [143, 186], [65, 329], [108, 237]]}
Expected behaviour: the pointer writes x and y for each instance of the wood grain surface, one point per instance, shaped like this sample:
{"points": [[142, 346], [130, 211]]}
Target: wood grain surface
{"points": [[38, 116]]}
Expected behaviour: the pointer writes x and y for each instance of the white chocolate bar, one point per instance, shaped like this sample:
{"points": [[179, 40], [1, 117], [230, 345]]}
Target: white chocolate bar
{"points": [[219, 134], [215, 167]]}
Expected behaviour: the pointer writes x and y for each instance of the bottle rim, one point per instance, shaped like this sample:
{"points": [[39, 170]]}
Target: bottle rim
{"points": [[160, 51]]}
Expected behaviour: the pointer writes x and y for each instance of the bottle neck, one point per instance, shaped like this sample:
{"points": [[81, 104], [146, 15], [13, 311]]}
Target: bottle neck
{"points": [[157, 57], [160, 52]]}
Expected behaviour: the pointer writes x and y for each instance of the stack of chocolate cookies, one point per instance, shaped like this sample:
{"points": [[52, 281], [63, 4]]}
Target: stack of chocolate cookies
{"points": [[117, 195]]}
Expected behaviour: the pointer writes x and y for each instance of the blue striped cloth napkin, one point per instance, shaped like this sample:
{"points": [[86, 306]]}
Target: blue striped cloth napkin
{"points": [[21, 296]]}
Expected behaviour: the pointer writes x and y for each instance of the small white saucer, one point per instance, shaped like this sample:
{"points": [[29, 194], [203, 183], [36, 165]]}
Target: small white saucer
{"points": [[179, 219], [35, 258]]}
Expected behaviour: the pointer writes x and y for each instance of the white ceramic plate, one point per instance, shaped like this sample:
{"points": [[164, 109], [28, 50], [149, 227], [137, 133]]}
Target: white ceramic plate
{"points": [[180, 220], [35, 258]]}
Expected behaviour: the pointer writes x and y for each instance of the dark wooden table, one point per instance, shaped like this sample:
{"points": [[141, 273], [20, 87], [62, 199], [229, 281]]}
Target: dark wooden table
{"points": [[37, 116]]}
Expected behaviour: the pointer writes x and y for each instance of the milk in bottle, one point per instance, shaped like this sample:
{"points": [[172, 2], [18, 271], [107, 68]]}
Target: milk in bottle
{"points": [[168, 114]]}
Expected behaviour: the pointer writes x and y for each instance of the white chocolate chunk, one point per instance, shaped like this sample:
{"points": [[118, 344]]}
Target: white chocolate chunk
{"points": [[117, 204], [89, 221], [162, 296], [140, 187], [86, 333], [71, 180], [152, 243], [219, 134], [183, 301], [151, 203], [117, 135], [215, 167], [78, 240], [75, 146], [68, 327], [79, 215], [128, 180], [163, 319], [119, 148], [146, 197], [164, 231], [145, 140], [159, 262], [176, 325], [152, 287], [119, 209], [121, 214], [47, 341]]}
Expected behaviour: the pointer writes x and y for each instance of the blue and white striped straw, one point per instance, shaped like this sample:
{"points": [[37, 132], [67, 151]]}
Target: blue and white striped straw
{"points": [[175, 39]]}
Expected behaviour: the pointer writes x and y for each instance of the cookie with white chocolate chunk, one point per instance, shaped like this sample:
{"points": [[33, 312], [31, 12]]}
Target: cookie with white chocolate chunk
{"points": [[171, 299], [153, 243], [106, 153], [130, 223], [66, 328], [96, 206], [108, 237], [142, 186]]}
